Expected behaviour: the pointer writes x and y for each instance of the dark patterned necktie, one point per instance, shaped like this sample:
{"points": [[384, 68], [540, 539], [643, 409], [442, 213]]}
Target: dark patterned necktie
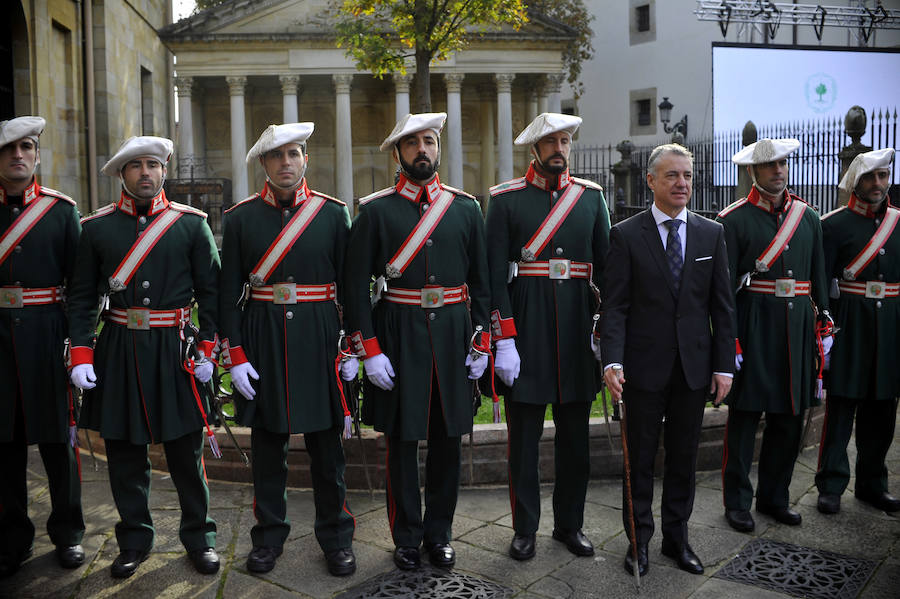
{"points": [[673, 251]]}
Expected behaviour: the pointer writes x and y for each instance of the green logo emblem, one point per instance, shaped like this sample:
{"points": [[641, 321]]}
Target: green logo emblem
{"points": [[821, 92]]}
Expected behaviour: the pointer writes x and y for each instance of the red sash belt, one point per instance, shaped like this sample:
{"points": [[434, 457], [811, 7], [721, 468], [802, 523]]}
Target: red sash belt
{"points": [[870, 289], [780, 287], [290, 293], [555, 268], [17, 297], [142, 319], [429, 297]]}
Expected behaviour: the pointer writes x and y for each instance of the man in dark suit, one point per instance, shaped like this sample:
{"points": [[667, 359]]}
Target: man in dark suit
{"points": [[666, 283]]}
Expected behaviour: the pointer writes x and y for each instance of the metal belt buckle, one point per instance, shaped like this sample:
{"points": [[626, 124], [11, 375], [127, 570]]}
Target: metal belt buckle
{"points": [[432, 297], [11, 297], [284, 293], [875, 289], [560, 268], [785, 287], [138, 319]]}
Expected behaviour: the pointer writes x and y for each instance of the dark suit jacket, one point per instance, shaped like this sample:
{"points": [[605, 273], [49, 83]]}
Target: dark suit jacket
{"points": [[645, 325]]}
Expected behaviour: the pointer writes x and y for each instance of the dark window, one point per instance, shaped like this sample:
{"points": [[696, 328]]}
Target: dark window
{"points": [[643, 107], [146, 102], [642, 13]]}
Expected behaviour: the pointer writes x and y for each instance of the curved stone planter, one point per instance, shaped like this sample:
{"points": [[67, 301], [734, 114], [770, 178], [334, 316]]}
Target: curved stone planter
{"points": [[484, 460]]}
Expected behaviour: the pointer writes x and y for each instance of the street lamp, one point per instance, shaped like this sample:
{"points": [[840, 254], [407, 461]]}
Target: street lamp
{"points": [[665, 115]]}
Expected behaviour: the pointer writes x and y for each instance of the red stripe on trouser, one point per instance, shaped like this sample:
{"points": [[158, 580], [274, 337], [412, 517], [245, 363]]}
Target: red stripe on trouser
{"points": [[349, 513]]}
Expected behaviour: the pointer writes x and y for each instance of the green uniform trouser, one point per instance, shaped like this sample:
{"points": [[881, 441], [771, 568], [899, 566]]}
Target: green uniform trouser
{"points": [[875, 421], [404, 501], [780, 446], [66, 523], [525, 424], [129, 478], [335, 523]]}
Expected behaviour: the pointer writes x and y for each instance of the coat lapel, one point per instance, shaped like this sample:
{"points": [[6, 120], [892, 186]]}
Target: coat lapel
{"points": [[654, 245]]}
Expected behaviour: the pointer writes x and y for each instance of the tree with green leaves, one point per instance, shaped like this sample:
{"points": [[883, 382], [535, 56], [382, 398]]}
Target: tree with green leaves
{"points": [[574, 14], [381, 34]]}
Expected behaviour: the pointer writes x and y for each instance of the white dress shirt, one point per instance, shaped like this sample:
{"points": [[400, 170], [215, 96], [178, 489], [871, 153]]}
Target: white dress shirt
{"points": [[662, 218]]}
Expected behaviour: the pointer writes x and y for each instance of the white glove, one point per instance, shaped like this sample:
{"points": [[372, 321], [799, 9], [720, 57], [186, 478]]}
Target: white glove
{"points": [[506, 361], [595, 347], [203, 370], [827, 342], [83, 377], [738, 360], [349, 369], [477, 366], [380, 372], [240, 379]]}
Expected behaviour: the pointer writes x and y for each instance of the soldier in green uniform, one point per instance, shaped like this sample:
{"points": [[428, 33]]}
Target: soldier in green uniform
{"points": [[153, 258], [38, 234], [427, 241], [547, 242], [862, 258], [774, 242], [282, 252]]}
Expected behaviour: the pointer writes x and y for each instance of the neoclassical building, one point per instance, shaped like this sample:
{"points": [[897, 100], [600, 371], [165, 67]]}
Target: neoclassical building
{"points": [[244, 65]]}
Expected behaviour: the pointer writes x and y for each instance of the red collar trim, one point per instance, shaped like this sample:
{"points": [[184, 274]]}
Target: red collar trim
{"points": [[159, 203], [29, 195], [865, 208], [545, 183], [763, 204], [413, 191], [300, 195]]}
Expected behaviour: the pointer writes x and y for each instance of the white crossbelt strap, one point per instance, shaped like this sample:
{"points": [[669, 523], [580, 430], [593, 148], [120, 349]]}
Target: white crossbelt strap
{"points": [[286, 240], [554, 220], [141, 248], [419, 235], [782, 237], [22, 225], [882, 234]]}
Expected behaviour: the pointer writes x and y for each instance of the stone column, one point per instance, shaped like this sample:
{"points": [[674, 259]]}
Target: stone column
{"points": [[542, 99], [504, 126], [197, 107], [488, 157], [289, 95], [185, 126], [554, 85], [343, 143], [236, 86], [454, 150], [401, 94], [531, 102]]}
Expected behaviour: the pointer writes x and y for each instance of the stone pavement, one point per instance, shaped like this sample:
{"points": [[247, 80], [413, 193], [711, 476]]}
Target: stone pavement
{"points": [[482, 532]]}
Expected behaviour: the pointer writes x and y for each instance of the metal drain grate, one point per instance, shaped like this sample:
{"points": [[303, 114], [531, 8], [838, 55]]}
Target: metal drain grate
{"points": [[798, 571], [427, 583]]}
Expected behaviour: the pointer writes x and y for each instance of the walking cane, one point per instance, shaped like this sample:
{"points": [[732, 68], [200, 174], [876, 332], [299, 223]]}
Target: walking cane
{"points": [[629, 503]]}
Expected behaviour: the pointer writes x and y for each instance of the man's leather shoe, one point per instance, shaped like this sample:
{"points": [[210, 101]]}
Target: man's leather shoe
{"points": [[441, 554], [643, 560], [70, 556], [684, 556], [785, 515], [341, 562], [740, 520], [407, 558], [9, 565], [828, 503], [522, 547], [883, 501], [262, 558], [205, 560], [127, 562], [575, 541]]}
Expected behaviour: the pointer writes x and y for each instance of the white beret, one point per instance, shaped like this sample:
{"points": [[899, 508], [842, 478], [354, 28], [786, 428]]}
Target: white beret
{"points": [[413, 123], [20, 128], [766, 150], [866, 163], [545, 124], [276, 136], [141, 146]]}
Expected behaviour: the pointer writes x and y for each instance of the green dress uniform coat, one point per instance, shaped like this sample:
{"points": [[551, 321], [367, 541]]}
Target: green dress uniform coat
{"points": [[417, 341], [777, 338], [36, 405], [143, 393], [293, 349], [863, 380]]}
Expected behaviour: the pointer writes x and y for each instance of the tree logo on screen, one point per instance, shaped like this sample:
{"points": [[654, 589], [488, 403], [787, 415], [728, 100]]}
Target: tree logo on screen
{"points": [[821, 92]]}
